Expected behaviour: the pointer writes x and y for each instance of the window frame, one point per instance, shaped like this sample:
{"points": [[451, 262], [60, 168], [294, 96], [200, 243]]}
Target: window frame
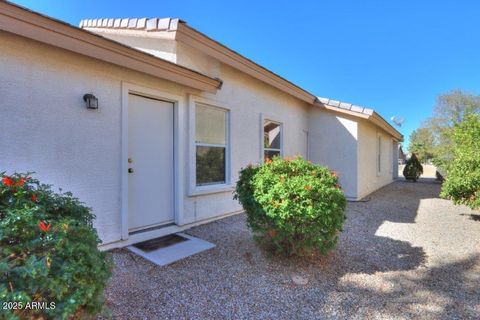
{"points": [[194, 189], [391, 144], [263, 118], [379, 154]]}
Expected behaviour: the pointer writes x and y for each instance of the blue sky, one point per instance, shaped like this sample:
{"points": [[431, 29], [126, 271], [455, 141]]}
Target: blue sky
{"points": [[394, 56]]}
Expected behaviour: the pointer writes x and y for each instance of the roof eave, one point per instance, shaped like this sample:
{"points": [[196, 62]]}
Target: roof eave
{"points": [[374, 118], [382, 123], [29, 24], [209, 46]]}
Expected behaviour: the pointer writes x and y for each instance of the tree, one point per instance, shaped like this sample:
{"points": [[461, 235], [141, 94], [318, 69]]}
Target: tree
{"points": [[450, 110], [422, 143], [462, 184]]}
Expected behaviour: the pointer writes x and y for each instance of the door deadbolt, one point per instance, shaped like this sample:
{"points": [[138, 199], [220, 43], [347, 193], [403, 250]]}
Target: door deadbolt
{"points": [[130, 160]]}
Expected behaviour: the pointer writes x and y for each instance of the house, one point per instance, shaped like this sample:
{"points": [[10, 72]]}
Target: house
{"points": [[356, 142], [148, 121]]}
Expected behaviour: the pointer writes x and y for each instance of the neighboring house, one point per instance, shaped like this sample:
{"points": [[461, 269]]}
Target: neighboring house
{"points": [[178, 116]]}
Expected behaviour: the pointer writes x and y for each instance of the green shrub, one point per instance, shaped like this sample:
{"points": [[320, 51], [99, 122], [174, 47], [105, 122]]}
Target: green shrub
{"points": [[413, 168], [462, 182], [292, 206], [48, 252]]}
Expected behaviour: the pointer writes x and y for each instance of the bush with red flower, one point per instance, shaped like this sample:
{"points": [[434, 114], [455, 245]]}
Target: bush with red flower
{"points": [[48, 252], [292, 205]]}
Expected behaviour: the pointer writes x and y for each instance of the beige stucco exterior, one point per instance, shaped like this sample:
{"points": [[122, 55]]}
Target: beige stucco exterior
{"points": [[369, 178], [247, 99], [47, 129], [326, 130], [348, 145]]}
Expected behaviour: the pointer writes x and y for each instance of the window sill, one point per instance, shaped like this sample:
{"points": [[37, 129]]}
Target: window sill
{"points": [[204, 190]]}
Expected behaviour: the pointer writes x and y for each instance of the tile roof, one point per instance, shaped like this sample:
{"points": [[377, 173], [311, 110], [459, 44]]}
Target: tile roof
{"points": [[30, 24], [346, 106], [149, 24], [169, 24], [367, 113]]}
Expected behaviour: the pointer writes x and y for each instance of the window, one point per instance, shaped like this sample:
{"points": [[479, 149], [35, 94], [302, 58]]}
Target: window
{"points": [[379, 154], [211, 145], [272, 139]]}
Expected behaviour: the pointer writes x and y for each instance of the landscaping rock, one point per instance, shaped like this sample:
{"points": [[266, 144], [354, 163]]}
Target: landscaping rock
{"points": [[405, 254], [299, 280]]}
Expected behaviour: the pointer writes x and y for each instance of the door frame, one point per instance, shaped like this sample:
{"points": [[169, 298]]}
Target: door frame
{"points": [[179, 114]]}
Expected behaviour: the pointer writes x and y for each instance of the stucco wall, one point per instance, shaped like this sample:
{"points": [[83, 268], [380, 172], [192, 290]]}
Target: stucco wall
{"points": [[160, 44], [369, 179], [247, 99], [47, 129], [333, 143]]}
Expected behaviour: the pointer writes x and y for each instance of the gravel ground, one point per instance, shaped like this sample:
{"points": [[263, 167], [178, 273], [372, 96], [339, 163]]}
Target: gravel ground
{"points": [[404, 254]]}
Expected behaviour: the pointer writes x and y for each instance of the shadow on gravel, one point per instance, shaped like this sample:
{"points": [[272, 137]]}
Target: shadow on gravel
{"points": [[428, 180], [360, 250], [449, 291], [236, 280], [474, 217]]}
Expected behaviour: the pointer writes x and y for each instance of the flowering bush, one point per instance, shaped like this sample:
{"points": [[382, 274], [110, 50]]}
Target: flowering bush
{"points": [[50, 266], [292, 206]]}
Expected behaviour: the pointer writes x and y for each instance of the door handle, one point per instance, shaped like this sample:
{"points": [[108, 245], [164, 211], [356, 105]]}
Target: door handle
{"points": [[130, 170]]}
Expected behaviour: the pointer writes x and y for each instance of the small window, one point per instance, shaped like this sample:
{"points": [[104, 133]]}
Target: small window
{"points": [[379, 155], [272, 143], [211, 145]]}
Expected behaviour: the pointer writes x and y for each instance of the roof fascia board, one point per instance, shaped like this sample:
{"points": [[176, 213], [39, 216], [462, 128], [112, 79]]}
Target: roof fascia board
{"points": [[29, 24], [225, 55], [375, 118], [343, 111], [379, 121]]}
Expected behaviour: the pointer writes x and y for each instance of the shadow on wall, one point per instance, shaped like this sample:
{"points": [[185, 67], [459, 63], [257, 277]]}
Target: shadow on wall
{"points": [[344, 157], [333, 143]]}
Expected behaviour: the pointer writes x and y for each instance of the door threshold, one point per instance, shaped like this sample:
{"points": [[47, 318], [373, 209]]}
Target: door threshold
{"points": [[165, 225]]}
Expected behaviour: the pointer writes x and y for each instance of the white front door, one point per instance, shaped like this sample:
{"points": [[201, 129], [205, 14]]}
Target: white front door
{"points": [[150, 163]]}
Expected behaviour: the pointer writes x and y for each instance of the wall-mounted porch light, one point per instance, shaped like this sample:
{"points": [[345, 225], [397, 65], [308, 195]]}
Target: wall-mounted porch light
{"points": [[91, 101]]}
